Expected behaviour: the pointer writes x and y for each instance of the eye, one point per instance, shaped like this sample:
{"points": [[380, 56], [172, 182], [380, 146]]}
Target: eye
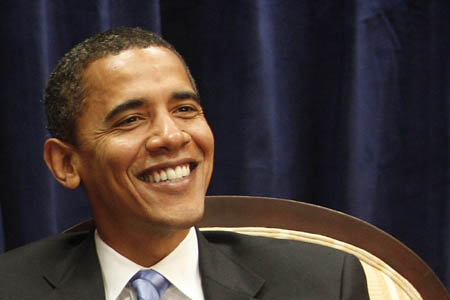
{"points": [[187, 111], [128, 121], [186, 108]]}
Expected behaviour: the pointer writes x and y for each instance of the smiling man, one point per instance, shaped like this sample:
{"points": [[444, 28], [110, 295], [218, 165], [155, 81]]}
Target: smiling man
{"points": [[126, 123], [144, 152]]}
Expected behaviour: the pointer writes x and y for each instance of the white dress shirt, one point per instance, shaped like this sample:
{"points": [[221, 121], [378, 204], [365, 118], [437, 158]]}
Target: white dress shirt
{"points": [[180, 267]]}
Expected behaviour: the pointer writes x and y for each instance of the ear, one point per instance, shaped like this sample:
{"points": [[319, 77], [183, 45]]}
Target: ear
{"points": [[60, 158]]}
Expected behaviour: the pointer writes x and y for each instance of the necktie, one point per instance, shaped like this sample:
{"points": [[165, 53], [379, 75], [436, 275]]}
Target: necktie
{"points": [[149, 285]]}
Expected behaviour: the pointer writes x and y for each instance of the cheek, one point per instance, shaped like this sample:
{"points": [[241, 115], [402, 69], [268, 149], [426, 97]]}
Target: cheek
{"points": [[204, 138], [115, 154], [121, 153]]}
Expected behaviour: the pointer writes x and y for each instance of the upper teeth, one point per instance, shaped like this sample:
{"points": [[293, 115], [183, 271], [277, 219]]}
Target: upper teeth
{"points": [[167, 174]]}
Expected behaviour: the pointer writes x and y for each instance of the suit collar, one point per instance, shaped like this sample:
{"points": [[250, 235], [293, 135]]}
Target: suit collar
{"points": [[78, 274], [222, 277]]}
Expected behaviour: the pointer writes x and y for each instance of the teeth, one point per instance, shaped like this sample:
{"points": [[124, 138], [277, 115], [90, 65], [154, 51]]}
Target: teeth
{"points": [[171, 174], [167, 174], [156, 177], [185, 171], [163, 175], [178, 172], [147, 178]]}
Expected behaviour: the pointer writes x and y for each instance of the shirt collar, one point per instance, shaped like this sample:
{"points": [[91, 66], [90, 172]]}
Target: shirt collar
{"points": [[180, 267]]}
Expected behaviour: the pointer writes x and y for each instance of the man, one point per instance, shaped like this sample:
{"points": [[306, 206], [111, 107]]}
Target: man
{"points": [[127, 124]]}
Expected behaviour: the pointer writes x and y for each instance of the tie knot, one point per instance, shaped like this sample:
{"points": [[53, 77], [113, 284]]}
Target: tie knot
{"points": [[149, 285]]}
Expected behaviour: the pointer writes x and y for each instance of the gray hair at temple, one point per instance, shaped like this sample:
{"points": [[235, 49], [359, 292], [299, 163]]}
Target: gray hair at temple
{"points": [[64, 94]]}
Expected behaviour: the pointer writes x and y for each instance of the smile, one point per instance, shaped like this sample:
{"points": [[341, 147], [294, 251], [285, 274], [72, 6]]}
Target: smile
{"points": [[166, 174]]}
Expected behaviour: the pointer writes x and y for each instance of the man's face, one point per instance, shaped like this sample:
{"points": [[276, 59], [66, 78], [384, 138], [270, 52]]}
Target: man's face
{"points": [[145, 150]]}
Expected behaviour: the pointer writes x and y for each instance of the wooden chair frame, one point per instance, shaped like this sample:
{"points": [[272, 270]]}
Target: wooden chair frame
{"points": [[248, 211]]}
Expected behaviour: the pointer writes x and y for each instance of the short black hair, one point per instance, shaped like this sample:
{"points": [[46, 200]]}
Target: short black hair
{"points": [[64, 93]]}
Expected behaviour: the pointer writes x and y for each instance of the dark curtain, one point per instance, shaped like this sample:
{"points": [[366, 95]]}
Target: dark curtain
{"points": [[344, 104]]}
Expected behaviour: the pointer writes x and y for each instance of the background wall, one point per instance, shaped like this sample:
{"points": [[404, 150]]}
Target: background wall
{"points": [[344, 104]]}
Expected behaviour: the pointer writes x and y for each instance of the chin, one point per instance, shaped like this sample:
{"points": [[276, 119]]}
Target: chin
{"points": [[187, 220], [178, 220]]}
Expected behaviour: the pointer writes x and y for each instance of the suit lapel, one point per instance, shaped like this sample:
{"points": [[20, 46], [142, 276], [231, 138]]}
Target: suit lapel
{"points": [[224, 279], [78, 276]]}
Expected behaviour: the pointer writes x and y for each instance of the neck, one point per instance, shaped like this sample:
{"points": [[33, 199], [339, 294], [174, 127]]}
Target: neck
{"points": [[145, 249]]}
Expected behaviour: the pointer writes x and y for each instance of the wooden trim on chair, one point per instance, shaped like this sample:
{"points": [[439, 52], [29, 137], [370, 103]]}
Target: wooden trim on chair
{"points": [[246, 211]]}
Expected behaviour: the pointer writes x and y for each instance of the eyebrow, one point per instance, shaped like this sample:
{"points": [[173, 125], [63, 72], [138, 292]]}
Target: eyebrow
{"points": [[129, 104], [186, 95]]}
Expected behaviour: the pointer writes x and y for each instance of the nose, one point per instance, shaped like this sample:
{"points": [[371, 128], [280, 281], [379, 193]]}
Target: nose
{"points": [[166, 135]]}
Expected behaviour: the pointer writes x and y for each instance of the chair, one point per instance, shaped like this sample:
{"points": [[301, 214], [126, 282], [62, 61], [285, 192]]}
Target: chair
{"points": [[393, 271]]}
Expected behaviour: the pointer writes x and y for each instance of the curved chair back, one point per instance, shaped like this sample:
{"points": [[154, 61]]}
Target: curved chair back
{"points": [[393, 270]]}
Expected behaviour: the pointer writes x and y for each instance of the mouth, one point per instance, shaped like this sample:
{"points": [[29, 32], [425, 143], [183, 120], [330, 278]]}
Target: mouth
{"points": [[167, 174]]}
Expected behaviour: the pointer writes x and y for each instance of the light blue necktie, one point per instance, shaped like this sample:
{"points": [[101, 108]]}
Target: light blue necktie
{"points": [[149, 285]]}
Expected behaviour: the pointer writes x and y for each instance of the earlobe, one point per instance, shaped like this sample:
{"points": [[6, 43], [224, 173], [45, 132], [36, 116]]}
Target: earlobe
{"points": [[60, 159]]}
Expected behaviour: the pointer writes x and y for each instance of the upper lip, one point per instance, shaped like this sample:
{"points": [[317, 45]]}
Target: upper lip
{"points": [[169, 164]]}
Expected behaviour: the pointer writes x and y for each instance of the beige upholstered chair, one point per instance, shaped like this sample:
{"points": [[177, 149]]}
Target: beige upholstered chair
{"points": [[393, 271]]}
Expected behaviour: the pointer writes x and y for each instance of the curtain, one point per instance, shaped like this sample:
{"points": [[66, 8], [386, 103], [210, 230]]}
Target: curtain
{"points": [[344, 104]]}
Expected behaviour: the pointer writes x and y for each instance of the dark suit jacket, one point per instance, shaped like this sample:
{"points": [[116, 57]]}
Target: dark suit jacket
{"points": [[233, 267]]}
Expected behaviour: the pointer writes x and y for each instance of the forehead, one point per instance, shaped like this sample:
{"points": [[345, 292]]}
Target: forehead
{"points": [[134, 73], [133, 63]]}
